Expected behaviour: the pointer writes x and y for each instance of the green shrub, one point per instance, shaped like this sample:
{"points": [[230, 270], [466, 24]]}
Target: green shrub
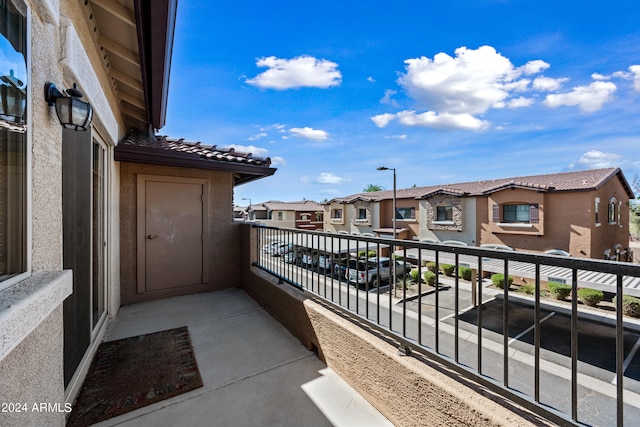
{"points": [[559, 291], [590, 297], [465, 273], [369, 254], [415, 275], [431, 266], [527, 289], [447, 269], [498, 280], [630, 305], [430, 277]]}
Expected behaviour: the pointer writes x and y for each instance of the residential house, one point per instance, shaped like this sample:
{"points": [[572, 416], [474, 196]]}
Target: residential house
{"points": [[305, 214], [584, 213]]}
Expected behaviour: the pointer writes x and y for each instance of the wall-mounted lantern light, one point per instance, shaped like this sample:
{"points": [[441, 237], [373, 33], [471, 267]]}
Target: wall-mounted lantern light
{"points": [[72, 113]]}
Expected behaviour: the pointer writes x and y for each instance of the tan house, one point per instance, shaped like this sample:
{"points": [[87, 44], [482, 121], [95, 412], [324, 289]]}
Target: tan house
{"points": [[304, 214], [584, 213]]}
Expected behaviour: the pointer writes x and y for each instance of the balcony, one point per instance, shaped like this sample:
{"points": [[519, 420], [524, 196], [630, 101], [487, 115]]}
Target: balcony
{"points": [[545, 361], [254, 371]]}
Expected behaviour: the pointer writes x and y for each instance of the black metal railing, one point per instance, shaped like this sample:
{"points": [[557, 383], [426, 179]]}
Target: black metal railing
{"points": [[568, 363]]}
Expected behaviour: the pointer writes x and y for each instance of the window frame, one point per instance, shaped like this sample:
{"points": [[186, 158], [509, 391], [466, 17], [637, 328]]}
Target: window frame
{"points": [[445, 209], [611, 211], [28, 177], [361, 214], [412, 213], [334, 211], [515, 220]]}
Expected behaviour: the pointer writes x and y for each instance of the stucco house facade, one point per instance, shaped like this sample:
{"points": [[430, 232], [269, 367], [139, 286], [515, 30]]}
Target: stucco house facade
{"points": [[584, 213], [304, 214]]}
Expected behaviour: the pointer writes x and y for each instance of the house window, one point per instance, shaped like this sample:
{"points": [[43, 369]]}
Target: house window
{"points": [[305, 217], [612, 210], [597, 209], [405, 213], [318, 217], [336, 213], [517, 213], [362, 214], [279, 216], [619, 211], [444, 213], [13, 142]]}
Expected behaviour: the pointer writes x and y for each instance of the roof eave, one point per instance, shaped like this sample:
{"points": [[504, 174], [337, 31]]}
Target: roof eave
{"points": [[156, 21]]}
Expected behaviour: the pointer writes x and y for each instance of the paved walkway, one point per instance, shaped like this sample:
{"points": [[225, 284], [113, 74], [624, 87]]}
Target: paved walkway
{"points": [[255, 373]]}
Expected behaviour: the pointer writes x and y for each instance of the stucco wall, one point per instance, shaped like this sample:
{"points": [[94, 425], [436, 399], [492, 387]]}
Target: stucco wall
{"points": [[223, 236], [32, 374], [465, 231]]}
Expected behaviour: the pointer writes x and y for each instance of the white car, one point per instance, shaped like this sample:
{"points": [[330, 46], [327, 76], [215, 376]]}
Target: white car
{"points": [[362, 271]]}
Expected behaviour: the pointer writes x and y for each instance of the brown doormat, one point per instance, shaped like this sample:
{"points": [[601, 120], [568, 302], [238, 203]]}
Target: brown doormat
{"points": [[130, 373]]}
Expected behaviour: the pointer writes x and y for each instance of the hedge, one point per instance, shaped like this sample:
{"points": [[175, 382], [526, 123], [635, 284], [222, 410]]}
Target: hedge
{"points": [[430, 277], [559, 291], [630, 305], [498, 280], [465, 273], [590, 297], [448, 269]]}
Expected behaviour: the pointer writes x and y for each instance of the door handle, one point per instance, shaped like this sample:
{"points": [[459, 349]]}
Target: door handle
{"points": [[151, 236]]}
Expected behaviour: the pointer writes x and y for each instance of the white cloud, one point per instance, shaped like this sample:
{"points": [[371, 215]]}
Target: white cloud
{"points": [[402, 136], [588, 98], [388, 98], [370, 79], [441, 121], [534, 67], [302, 71], [255, 151], [520, 102], [471, 83], [594, 159], [257, 136], [635, 69], [382, 120], [309, 133], [548, 84], [278, 161], [329, 178]]}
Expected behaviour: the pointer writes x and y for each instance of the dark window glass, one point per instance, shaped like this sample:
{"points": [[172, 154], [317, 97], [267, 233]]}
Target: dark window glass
{"points": [[444, 213], [516, 213]]}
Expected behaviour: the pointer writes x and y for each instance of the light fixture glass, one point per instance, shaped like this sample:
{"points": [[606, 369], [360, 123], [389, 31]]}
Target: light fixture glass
{"points": [[71, 111]]}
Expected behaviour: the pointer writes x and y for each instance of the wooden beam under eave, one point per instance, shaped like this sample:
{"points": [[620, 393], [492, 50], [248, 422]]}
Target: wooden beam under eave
{"points": [[126, 80], [116, 9], [129, 112], [130, 99], [120, 51]]}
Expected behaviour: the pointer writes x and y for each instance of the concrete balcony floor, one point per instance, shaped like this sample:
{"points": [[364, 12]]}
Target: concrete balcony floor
{"points": [[255, 372]]}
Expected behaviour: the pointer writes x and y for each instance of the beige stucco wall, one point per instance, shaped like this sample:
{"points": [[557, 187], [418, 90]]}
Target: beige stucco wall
{"points": [[224, 245], [32, 374], [32, 370]]}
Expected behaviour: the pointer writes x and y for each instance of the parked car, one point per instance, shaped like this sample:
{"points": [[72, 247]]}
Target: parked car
{"points": [[332, 263], [362, 271], [559, 252], [310, 257], [269, 247]]}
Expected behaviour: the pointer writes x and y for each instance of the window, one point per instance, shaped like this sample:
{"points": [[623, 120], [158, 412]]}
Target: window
{"points": [[597, 209], [362, 214], [444, 213], [305, 217], [612, 210], [318, 217], [516, 213], [279, 216], [405, 213], [336, 213], [13, 142]]}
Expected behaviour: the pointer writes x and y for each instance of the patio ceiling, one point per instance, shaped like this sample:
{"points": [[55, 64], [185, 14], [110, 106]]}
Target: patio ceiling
{"points": [[135, 38]]}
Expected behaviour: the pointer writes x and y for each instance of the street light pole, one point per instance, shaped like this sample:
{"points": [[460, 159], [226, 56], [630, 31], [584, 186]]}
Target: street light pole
{"points": [[393, 261]]}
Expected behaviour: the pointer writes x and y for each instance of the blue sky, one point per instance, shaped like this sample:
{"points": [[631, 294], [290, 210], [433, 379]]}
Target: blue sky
{"points": [[444, 92]]}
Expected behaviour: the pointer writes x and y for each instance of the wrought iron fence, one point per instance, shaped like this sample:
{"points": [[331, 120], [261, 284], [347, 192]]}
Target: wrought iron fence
{"points": [[565, 361]]}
